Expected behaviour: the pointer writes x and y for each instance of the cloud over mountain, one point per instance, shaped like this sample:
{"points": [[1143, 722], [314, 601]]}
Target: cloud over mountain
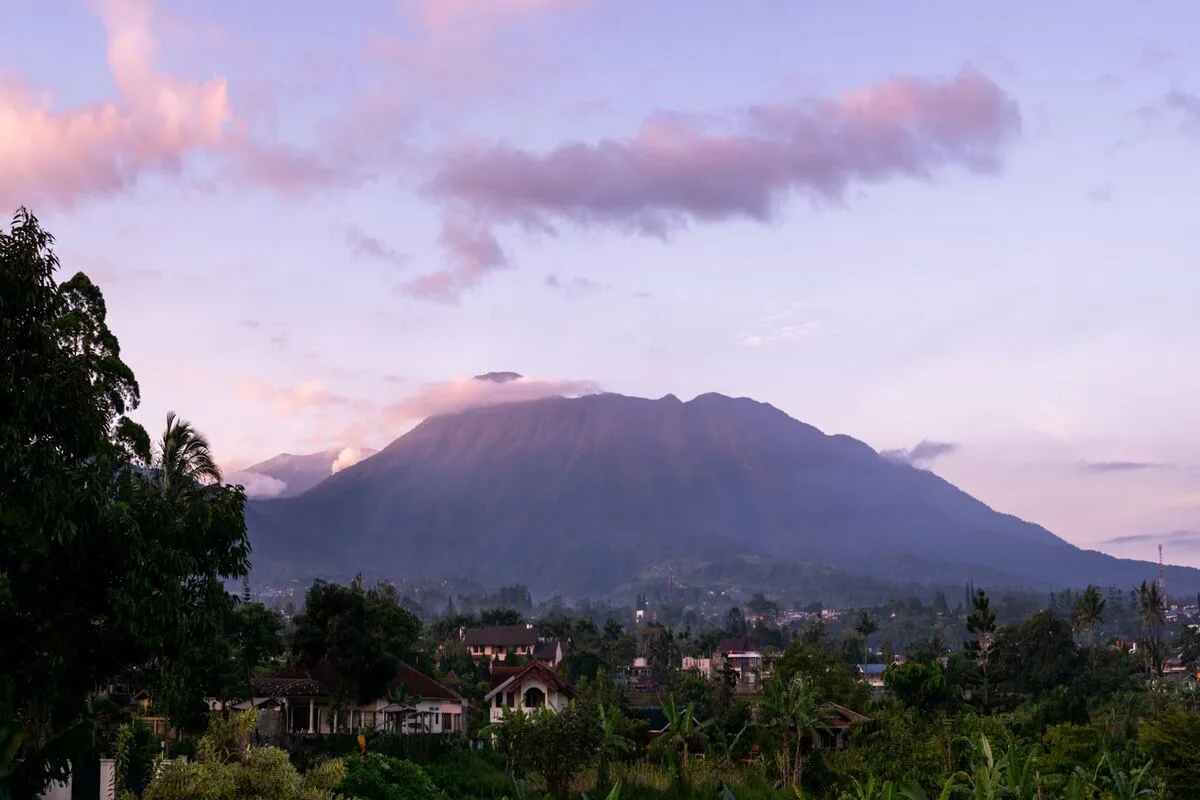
{"points": [[921, 454], [490, 388]]}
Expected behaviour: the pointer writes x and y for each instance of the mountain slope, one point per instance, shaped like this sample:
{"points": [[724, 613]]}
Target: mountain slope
{"points": [[578, 494], [296, 473]]}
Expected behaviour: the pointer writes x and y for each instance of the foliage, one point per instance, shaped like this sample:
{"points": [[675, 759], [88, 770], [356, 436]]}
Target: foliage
{"points": [[101, 570], [228, 768], [380, 777], [1172, 741], [362, 633], [554, 746], [825, 673], [919, 686]]}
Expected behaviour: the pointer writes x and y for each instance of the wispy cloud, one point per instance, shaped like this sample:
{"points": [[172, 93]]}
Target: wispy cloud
{"points": [[921, 454], [1119, 466], [575, 288], [681, 170], [1101, 194], [363, 245], [1182, 539], [304, 396]]}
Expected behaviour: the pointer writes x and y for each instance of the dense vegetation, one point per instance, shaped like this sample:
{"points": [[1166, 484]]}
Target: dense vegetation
{"points": [[115, 555]]}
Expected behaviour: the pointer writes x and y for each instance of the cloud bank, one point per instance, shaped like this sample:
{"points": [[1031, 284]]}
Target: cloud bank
{"points": [[257, 485], [64, 156], [482, 390], [681, 170]]}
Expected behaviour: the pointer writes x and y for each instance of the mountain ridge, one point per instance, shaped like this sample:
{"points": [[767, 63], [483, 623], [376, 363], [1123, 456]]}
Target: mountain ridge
{"points": [[595, 487]]}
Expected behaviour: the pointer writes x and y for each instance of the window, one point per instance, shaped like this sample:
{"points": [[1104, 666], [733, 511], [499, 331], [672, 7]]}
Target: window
{"points": [[445, 722], [512, 699], [535, 698]]}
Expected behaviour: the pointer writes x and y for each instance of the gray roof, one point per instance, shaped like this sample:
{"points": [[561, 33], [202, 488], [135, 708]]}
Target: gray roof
{"points": [[501, 636]]}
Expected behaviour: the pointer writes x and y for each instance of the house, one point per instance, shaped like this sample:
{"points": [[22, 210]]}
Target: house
{"points": [[699, 666], [498, 642], [742, 657], [306, 701], [528, 689], [837, 722], [871, 674]]}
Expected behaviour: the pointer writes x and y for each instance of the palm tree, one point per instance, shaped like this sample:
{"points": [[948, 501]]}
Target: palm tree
{"points": [[865, 627], [1089, 612], [184, 458], [1152, 610]]}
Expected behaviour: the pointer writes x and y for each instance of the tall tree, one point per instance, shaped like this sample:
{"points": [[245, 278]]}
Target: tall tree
{"points": [[981, 623], [865, 626], [1152, 611], [1089, 612], [100, 572], [362, 633]]}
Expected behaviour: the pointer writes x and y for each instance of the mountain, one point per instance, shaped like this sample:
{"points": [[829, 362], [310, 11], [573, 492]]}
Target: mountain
{"points": [[287, 475], [581, 494]]}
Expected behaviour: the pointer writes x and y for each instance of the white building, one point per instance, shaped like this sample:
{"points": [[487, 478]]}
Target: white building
{"points": [[535, 687]]}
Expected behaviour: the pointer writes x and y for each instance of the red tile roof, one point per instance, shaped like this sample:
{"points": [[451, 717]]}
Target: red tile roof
{"points": [[418, 684]]}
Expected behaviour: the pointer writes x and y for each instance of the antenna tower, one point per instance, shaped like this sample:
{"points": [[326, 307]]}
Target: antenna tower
{"points": [[1162, 578]]}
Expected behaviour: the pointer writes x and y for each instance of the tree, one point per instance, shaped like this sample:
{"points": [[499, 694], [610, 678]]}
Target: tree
{"points": [[1089, 612], [363, 634], [791, 708], [555, 746], [865, 626], [1172, 741], [1151, 607], [99, 571], [500, 616], [183, 460], [227, 768], [258, 631], [919, 686], [735, 622], [1189, 647], [981, 623]]}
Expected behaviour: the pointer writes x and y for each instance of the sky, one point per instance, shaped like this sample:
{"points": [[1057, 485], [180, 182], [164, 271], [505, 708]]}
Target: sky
{"points": [[964, 234]]}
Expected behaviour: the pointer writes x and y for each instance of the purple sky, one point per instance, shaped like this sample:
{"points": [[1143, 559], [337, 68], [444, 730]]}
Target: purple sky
{"points": [[960, 232]]}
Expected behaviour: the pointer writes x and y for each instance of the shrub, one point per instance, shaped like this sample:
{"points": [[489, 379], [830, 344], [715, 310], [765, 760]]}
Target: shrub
{"points": [[380, 777]]}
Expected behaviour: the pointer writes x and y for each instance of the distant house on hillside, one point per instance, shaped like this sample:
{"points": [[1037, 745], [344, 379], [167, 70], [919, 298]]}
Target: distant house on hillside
{"points": [[305, 701], [528, 689], [871, 674], [499, 642], [742, 657]]}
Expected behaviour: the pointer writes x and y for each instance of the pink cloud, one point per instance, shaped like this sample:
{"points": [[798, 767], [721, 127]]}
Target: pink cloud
{"points": [[305, 396], [471, 252], [63, 157], [680, 170], [447, 13]]}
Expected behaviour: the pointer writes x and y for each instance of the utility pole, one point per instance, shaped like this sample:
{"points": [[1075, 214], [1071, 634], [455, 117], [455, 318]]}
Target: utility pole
{"points": [[1162, 578]]}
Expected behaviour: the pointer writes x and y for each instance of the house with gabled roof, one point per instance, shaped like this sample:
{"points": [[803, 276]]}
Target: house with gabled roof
{"points": [[499, 642], [306, 702], [527, 689]]}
